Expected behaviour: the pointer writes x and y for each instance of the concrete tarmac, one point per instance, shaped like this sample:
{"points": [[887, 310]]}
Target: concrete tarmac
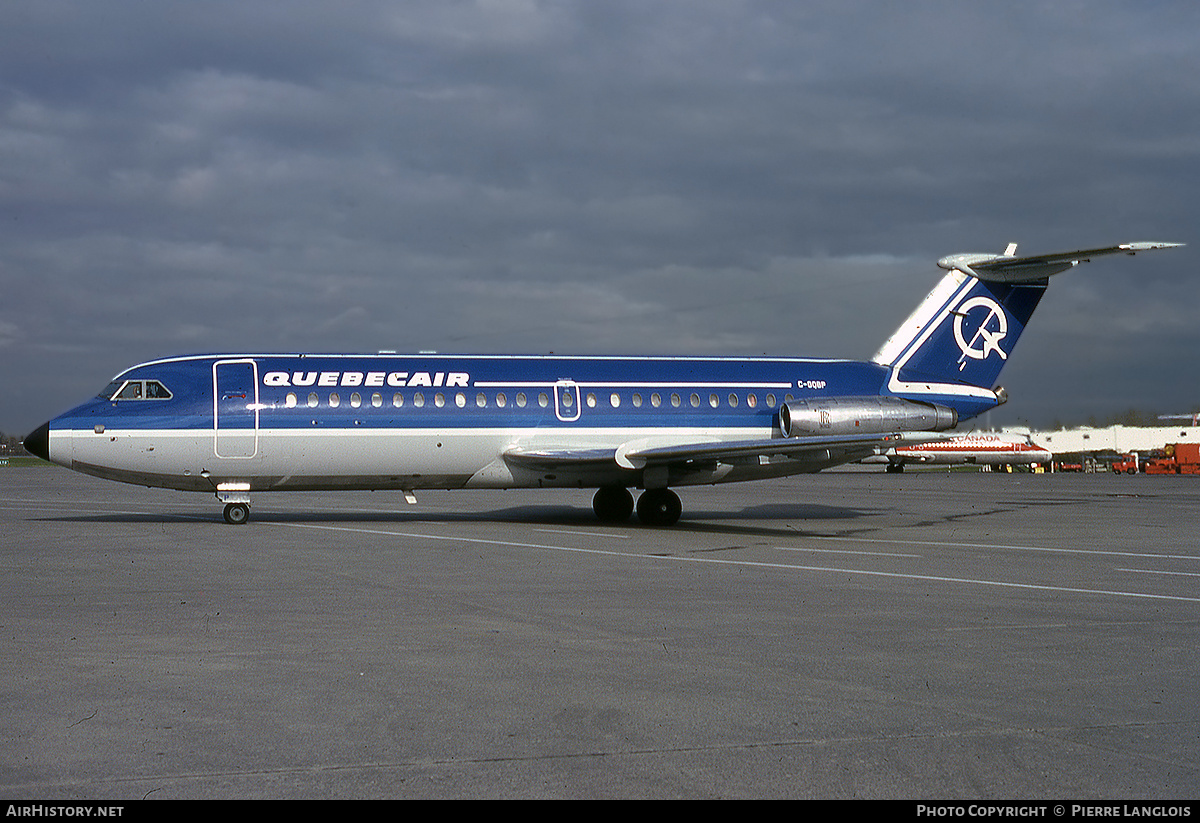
{"points": [[851, 634]]}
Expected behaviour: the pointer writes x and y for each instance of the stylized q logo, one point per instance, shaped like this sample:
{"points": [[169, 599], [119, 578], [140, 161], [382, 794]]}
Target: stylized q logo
{"points": [[992, 328]]}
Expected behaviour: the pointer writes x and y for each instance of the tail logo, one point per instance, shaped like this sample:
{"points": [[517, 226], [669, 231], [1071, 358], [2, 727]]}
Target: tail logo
{"points": [[992, 329]]}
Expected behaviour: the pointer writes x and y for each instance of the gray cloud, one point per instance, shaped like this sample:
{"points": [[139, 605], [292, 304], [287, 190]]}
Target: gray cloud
{"points": [[618, 177]]}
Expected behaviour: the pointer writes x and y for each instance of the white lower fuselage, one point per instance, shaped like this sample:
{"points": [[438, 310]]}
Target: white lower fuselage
{"points": [[289, 460]]}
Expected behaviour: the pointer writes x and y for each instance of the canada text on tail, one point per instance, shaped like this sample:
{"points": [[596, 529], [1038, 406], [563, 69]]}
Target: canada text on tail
{"points": [[952, 347]]}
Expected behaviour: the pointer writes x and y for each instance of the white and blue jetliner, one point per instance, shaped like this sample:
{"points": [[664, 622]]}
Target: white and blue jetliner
{"points": [[234, 425]]}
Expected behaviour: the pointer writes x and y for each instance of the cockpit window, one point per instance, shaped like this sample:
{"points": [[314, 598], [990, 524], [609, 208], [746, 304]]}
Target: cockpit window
{"points": [[136, 390], [156, 391]]}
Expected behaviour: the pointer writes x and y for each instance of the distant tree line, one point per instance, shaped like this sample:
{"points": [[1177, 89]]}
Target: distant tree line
{"points": [[10, 444]]}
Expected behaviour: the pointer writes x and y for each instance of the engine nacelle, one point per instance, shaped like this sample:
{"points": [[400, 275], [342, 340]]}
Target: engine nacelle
{"points": [[863, 415]]}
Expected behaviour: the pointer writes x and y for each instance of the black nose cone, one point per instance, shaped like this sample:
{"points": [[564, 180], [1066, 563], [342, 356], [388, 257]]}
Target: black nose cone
{"points": [[38, 441]]}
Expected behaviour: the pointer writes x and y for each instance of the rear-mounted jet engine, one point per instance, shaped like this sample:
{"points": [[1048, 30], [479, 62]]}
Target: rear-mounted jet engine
{"points": [[863, 415]]}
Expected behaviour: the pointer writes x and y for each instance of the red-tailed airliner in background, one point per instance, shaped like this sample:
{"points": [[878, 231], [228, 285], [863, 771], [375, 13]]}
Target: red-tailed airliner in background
{"points": [[981, 448]]}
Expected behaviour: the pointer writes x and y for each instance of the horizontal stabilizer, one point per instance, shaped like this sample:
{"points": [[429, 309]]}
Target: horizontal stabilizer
{"points": [[1007, 268]]}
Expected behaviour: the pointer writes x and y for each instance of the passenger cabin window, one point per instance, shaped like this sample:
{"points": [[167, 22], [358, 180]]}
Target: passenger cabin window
{"points": [[155, 390]]}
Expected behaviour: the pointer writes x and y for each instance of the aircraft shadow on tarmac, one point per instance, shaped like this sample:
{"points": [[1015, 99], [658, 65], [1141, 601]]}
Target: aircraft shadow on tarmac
{"points": [[765, 519]]}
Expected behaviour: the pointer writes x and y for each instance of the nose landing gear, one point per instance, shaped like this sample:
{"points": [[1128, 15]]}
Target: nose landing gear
{"points": [[236, 497], [237, 513]]}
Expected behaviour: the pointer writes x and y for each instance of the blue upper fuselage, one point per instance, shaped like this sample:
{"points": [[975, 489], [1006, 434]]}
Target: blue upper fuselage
{"points": [[419, 391]]}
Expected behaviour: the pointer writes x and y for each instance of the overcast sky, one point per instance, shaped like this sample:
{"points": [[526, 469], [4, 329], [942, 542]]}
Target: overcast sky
{"points": [[593, 177]]}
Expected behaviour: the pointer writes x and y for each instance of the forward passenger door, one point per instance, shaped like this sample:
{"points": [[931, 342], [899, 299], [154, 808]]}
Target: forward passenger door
{"points": [[235, 408]]}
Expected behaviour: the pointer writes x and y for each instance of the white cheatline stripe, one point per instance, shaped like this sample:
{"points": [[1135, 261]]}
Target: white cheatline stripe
{"points": [[749, 563]]}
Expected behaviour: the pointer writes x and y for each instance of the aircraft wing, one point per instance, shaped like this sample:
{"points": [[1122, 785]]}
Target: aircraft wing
{"points": [[1008, 268], [640, 455]]}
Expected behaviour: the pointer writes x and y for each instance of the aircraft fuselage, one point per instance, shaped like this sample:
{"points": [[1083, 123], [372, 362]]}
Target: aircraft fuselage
{"points": [[294, 422]]}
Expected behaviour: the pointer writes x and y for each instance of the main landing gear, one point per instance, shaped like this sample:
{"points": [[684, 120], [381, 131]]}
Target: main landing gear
{"points": [[656, 507], [613, 504]]}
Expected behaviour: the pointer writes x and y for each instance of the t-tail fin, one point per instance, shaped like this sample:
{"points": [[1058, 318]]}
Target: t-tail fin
{"points": [[954, 345]]}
